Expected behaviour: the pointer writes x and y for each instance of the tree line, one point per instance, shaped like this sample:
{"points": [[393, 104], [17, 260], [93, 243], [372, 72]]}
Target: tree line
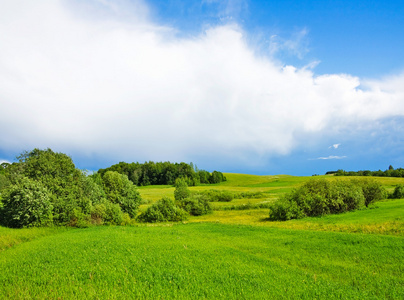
{"points": [[390, 172], [164, 173]]}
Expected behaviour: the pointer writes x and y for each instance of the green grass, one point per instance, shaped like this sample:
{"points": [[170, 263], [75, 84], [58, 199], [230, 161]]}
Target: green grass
{"points": [[204, 261], [11, 237]]}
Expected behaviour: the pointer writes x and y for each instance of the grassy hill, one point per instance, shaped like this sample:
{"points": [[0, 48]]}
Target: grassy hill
{"points": [[229, 254]]}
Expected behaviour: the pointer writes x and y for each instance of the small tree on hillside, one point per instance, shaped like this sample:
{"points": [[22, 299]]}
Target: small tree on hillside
{"points": [[181, 189]]}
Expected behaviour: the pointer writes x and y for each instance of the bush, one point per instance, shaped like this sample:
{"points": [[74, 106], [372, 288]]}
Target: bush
{"points": [[98, 213], [196, 205], [217, 196], [26, 204], [372, 191], [163, 210], [321, 197], [398, 192], [285, 209], [79, 219], [113, 214]]}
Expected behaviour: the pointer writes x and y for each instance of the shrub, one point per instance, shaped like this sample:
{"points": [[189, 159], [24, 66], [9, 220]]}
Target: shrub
{"points": [[98, 213], [26, 204], [321, 197], [196, 205], [372, 190], [217, 196], [398, 192], [163, 210], [79, 219], [285, 209], [113, 214]]}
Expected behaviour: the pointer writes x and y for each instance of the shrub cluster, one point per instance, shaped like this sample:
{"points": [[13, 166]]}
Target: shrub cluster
{"points": [[185, 204], [45, 188], [217, 196], [196, 205], [321, 197], [164, 210]]}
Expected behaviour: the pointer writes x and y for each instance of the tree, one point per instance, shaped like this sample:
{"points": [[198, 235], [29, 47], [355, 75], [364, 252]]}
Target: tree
{"points": [[181, 189], [26, 204], [58, 174], [120, 190]]}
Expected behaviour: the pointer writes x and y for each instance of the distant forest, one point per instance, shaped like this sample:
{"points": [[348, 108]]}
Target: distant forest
{"points": [[390, 172], [157, 173]]}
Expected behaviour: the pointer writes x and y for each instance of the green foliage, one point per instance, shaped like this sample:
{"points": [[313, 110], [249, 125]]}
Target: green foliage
{"points": [[164, 210], [3, 182], [322, 197], [217, 177], [217, 195], [57, 173], [79, 219], [26, 203], [181, 189], [163, 173], [120, 190], [398, 192], [113, 214], [372, 191], [77, 199], [390, 172], [196, 205]]}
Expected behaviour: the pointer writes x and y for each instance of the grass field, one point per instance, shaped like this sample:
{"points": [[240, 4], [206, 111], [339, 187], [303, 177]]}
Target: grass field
{"points": [[229, 254]]}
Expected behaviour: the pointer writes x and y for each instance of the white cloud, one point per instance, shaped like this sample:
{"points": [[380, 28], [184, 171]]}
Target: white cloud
{"points": [[84, 79], [296, 45], [331, 157], [335, 146], [4, 161]]}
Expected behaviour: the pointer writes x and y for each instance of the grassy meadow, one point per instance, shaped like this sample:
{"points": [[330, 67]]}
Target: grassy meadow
{"points": [[229, 254]]}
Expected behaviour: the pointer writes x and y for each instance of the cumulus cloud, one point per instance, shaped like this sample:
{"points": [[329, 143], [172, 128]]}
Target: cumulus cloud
{"points": [[335, 146], [102, 79]]}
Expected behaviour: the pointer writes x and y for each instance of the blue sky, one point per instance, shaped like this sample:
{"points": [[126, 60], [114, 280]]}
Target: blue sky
{"points": [[261, 87]]}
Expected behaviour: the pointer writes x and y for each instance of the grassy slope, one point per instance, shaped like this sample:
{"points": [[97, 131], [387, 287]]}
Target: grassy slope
{"points": [[295, 259]]}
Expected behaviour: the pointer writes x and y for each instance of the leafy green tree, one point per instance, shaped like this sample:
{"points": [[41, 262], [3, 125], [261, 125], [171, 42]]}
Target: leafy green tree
{"points": [[181, 189], [58, 174], [216, 177], [120, 190], [25, 204]]}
